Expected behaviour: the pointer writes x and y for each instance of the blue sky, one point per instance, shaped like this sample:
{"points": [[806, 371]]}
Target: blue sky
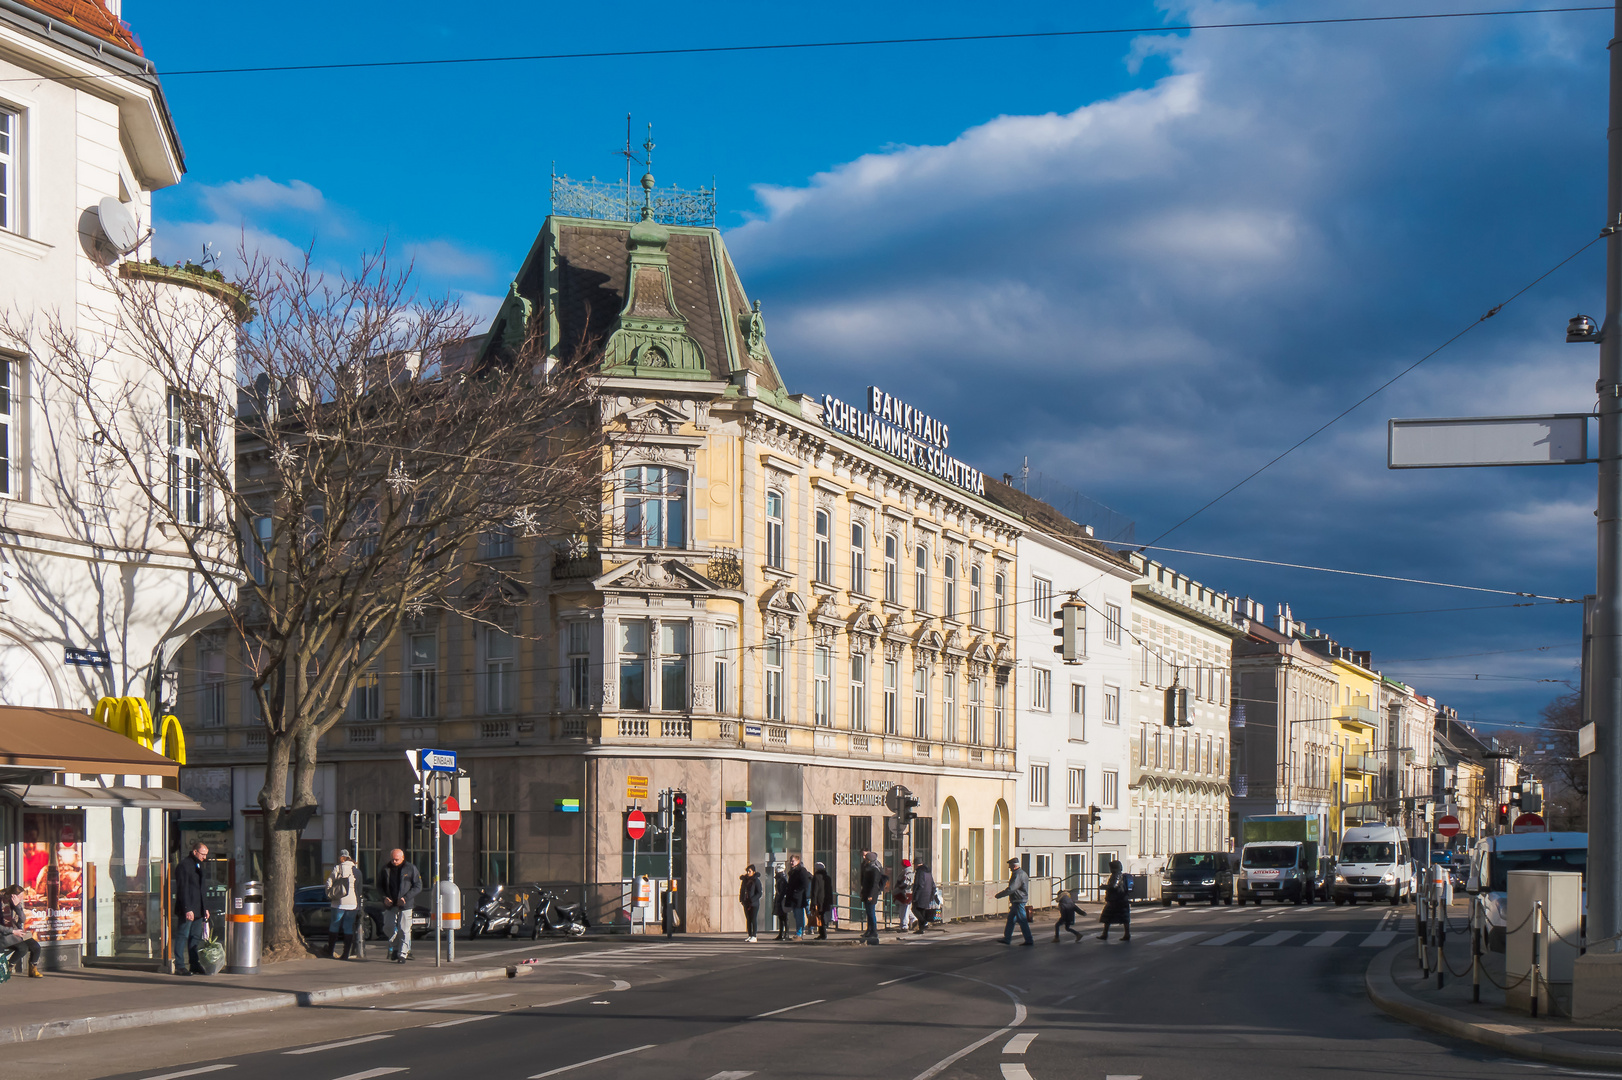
{"points": [[1148, 263]]}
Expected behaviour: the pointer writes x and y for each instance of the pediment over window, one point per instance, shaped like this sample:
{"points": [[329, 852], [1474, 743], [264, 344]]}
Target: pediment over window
{"points": [[928, 640], [491, 588], [781, 600], [653, 574], [654, 418]]}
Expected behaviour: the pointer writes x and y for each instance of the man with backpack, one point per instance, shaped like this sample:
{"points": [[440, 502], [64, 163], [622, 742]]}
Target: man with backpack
{"points": [[873, 881], [343, 893]]}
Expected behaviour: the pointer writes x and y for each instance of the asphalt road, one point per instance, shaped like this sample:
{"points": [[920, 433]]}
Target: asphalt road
{"points": [[1198, 993]]}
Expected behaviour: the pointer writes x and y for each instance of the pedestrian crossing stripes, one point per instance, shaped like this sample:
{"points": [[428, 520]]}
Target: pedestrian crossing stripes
{"points": [[1308, 939]]}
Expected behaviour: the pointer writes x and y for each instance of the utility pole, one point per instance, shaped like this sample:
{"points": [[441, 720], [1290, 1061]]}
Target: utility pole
{"points": [[1605, 764]]}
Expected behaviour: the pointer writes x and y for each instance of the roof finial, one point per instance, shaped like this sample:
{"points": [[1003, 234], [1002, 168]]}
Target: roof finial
{"points": [[647, 177]]}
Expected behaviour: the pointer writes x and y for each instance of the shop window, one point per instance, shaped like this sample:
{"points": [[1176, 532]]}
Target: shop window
{"points": [[655, 507], [366, 847], [495, 848]]}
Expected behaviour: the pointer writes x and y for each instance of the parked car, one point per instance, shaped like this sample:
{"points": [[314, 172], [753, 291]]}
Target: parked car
{"points": [[313, 912], [1495, 856], [1197, 875]]}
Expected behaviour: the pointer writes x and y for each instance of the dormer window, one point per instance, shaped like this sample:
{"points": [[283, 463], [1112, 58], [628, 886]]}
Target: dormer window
{"points": [[655, 507]]}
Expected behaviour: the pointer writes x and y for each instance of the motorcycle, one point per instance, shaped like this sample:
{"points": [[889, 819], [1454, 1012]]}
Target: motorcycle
{"points": [[552, 916], [499, 912]]}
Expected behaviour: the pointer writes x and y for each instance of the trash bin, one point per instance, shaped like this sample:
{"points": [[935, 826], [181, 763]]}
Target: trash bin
{"points": [[247, 917]]}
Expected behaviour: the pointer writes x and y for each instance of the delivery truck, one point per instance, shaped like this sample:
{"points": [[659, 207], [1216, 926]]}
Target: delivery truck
{"points": [[1279, 858]]}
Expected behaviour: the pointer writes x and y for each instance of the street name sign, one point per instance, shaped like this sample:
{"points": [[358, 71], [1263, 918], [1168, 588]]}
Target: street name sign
{"points": [[437, 760], [636, 823], [1478, 441], [1447, 825], [636, 787], [450, 818]]}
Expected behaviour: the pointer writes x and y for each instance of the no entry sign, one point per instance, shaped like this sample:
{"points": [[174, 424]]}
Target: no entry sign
{"points": [[636, 823], [1447, 825], [1530, 823], [450, 818]]}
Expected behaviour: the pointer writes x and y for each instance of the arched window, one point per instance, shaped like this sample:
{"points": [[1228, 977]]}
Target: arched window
{"points": [[999, 837], [858, 558], [655, 507], [892, 573], [824, 553], [975, 614], [950, 864], [949, 572], [774, 529], [920, 577]]}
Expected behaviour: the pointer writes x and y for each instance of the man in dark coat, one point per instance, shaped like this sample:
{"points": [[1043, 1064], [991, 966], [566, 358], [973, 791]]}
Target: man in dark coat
{"points": [[190, 918], [749, 892], [799, 893], [923, 898], [399, 883], [873, 881], [823, 899], [780, 903]]}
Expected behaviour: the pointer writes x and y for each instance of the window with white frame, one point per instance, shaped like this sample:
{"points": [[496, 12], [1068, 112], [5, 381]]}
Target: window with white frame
{"points": [[655, 502], [976, 616], [1110, 796], [773, 654], [920, 702], [1041, 599], [822, 660], [858, 558], [824, 543], [579, 665], [1078, 712], [422, 675], [633, 656], [774, 529], [949, 580], [1112, 624], [949, 706], [1076, 789], [1041, 689], [675, 645], [892, 571], [999, 589], [9, 401], [999, 712], [920, 577], [723, 669], [1039, 784], [10, 151], [500, 669], [892, 707], [1112, 704], [976, 736], [858, 691], [185, 462]]}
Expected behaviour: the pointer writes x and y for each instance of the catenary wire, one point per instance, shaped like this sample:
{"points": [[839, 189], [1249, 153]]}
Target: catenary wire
{"points": [[938, 39], [1425, 611]]}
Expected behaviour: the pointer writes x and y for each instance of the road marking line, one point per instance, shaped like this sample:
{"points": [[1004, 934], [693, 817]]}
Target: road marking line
{"points": [[1172, 939], [338, 1045], [1227, 939], [191, 1072], [621, 984], [1064, 999], [1325, 939], [370, 1073], [1020, 1043], [788, 1008], [1015, 1070], [1123, 1076], [735, 1074], [463, 1020], [593, 1061], [947, 1062], [1278, 938], [904, 978], [1379, 938], [460, 999]]}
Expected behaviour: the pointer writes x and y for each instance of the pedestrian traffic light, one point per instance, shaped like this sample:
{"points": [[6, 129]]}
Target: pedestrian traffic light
{"points": [[1503, 813], [1070, 630], [1177, 706], [678, 811]]}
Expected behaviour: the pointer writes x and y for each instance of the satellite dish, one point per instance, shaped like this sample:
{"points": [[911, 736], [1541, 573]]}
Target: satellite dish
{"points": [[118, 223]]}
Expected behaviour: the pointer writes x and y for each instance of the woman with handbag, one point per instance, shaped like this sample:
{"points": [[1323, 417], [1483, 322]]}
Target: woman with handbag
{"points": [[343, 893]]}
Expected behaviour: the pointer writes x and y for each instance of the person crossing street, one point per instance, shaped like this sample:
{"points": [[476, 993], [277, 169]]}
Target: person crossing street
{"points": [[1018, 893]]}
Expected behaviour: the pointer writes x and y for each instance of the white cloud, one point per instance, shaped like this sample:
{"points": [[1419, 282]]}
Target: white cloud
{"points": [[259, 194]]}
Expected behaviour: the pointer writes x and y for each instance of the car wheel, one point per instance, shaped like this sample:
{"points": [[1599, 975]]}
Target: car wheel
{"points": [[1297, 899], [1215, 900], [1227, 900], [1394, 898], [1182, 903], [1166, 903], [1340, 901]]}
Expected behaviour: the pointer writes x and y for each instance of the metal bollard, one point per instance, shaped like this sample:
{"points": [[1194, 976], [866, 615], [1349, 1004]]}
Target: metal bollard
{"points": [[247, 918], [1475, 951], [1537, 951]]}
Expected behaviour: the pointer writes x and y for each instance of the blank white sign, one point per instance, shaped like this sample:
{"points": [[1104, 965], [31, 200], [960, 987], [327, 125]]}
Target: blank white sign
{"points": [[1461, 442]]}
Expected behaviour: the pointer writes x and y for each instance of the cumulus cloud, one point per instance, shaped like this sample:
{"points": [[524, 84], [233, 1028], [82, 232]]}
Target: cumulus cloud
{"points": [[1153, 294]]}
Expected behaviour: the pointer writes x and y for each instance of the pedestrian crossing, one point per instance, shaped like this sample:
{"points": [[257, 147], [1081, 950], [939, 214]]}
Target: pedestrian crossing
{"points": [[1309, 939], [640, 955]]}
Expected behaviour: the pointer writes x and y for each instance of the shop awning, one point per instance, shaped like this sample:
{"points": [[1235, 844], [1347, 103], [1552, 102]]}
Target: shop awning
{"points": [[45, 796], [68, 741]]}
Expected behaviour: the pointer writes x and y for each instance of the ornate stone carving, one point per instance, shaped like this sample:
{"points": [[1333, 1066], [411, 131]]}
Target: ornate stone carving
{"points": [[609, 691], [704, 697], [824, 633], [894, 650], [650, 573], [701, 415]]}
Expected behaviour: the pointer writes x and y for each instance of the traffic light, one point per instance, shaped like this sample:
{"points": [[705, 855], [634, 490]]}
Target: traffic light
{"points": [[1515, 793], [1094, 814], [1071, 627], [1503, 813], [1532, 798], [909, 804], [678, 810], [419, 812], [1177, 706]]}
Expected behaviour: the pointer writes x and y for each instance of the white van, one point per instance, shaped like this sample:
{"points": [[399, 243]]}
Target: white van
{"points": [[1496, 856], [1374, 865]]}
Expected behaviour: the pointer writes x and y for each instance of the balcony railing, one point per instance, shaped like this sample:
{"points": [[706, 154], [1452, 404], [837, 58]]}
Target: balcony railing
{"points": [[1364, 764]]}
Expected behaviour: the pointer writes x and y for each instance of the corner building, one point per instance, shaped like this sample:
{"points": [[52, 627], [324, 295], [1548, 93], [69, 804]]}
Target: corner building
{"points": [[776, 613]]}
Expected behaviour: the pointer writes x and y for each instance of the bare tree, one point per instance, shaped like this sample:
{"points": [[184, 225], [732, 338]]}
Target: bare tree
{"points": [[342, 490], [1564, 772]]}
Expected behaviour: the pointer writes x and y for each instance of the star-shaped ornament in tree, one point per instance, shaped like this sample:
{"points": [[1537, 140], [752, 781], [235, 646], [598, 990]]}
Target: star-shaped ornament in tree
{"points": [[399, 479], [526, 522]]}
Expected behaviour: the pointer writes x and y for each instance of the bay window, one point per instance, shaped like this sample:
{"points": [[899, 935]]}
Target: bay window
{"points": [[655, 507]]}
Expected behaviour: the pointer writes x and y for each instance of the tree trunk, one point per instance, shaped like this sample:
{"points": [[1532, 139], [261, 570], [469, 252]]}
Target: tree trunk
{"points": [[282, 940]]}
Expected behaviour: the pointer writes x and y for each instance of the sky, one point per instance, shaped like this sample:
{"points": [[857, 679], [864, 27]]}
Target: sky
{"points": [[1146, 263]]}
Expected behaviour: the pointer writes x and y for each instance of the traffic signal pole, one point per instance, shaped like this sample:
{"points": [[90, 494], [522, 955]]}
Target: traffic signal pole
{"points": [[1605, 764]]}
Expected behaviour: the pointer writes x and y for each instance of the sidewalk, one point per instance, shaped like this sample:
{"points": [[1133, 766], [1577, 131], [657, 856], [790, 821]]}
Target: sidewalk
{"points": [[110, 999], [1396, 986]]}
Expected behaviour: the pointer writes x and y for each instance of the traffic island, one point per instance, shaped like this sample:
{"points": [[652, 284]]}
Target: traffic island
{"points": [[1398, 987]]}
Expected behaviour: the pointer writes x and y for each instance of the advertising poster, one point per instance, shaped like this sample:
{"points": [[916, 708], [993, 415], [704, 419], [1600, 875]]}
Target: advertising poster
{"points": [[53, 875]]}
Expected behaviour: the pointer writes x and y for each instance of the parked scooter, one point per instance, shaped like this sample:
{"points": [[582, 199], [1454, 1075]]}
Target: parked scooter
{"points": [[552, 916], [500, 912]]}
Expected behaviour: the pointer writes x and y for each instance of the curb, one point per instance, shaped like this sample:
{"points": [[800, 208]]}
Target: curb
{"points": [[89, 1025], [1511, 1038]]}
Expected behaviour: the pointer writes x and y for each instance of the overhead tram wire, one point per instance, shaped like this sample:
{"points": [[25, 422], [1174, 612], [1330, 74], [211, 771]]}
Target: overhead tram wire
{"points": [[854, 43]]}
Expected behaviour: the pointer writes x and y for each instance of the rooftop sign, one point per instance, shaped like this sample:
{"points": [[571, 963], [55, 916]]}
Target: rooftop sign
{"points": [[898, 429]]}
